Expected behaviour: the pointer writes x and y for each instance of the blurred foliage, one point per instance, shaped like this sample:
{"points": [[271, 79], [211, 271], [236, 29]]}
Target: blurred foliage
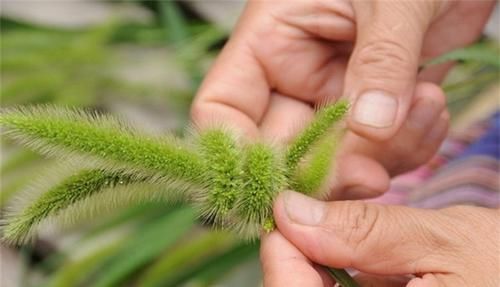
{"points": [[477, 67], [75, 68], [146, 244]]}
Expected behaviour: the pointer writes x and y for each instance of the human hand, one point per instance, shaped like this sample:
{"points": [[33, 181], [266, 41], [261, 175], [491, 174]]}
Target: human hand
{"points": [[456, 246], [285, 57]]}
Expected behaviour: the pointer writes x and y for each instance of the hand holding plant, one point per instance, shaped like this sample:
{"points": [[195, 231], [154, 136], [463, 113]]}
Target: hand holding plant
{"points": [[232, 182], [456, 246], [369, 52]]}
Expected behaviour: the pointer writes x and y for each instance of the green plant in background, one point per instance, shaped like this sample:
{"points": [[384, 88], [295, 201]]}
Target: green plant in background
{"points": [[232, 184], [77, 68], [477, 67]]}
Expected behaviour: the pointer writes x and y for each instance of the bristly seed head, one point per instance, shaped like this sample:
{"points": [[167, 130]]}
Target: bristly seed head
{"points": [[234, 184]]}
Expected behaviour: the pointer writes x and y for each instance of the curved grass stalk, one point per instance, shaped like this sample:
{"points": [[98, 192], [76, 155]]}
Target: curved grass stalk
{"points": [[110, 143], [73, 189]]}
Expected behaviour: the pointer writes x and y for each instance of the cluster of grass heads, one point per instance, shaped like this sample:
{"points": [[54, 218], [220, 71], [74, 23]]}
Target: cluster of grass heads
{"points": [[231, 182]]}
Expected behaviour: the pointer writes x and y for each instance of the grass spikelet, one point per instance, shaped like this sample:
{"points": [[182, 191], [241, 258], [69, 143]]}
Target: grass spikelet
{"points": [[321, 123], [104, 202], [310, 176], [264, 178], [73, 189], [223, 173], [68, 132]]}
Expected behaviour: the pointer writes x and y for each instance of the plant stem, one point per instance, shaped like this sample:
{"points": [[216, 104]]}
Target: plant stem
{"points": [[342, 277]]}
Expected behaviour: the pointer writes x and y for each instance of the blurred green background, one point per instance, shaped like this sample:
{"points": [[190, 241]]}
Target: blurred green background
{"points": [[141, 60]]}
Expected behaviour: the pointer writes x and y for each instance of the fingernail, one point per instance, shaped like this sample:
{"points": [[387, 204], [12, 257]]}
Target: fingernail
{"points": [[376, 109], [302, 209]]}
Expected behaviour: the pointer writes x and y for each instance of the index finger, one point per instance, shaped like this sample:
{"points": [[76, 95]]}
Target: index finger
{"points": [[235, 92]]}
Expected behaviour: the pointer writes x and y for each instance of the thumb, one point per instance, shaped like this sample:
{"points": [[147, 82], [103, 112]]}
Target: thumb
{"points": [[382, 70], [376, 239]]}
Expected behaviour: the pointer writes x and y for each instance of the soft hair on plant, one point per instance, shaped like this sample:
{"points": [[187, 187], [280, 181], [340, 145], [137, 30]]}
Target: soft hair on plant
{"points": [[232, 183]]}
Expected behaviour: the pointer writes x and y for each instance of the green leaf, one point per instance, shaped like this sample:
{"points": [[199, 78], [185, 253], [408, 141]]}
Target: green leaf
{"points": [[145, 246], [75, 273], [173, 22], [213, 270], [481, 53], [172, 267]]}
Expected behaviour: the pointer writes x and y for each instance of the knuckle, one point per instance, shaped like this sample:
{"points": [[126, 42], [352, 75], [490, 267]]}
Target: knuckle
{"points": [[358, 221], [385, 58]]}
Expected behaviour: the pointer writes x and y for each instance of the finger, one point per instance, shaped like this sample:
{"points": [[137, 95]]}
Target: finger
{"points": [[235, 91], [358, 176], [435, 137], [284, 118], [372, 238], [382, 71], [413, 142], [284, 265], [439, 40], [430, 102]]}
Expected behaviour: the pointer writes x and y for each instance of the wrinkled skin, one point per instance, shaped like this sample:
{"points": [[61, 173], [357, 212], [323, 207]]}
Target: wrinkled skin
{"points": [[286, 57]]}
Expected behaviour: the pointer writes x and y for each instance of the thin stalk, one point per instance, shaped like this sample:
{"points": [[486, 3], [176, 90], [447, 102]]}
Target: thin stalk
{"points": [[342, 277]]}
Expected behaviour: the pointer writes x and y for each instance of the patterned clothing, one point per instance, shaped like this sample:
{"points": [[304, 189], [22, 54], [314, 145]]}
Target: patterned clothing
{"points": [[465, 171]]}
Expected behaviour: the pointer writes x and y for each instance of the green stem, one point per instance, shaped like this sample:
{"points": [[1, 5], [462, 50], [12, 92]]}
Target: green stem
{"points": [[342, 277]]}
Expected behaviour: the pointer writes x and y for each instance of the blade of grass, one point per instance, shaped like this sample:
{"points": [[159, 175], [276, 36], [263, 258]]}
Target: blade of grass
{"points": [[342, 277], [145, 246], [172, 267], [214, 270], [486, 53]]}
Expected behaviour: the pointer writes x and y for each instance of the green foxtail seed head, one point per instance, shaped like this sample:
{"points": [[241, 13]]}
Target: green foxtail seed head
{"points": [[222, 157], [73, 189], [316, 166], [233, 183], [322, 122]]}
